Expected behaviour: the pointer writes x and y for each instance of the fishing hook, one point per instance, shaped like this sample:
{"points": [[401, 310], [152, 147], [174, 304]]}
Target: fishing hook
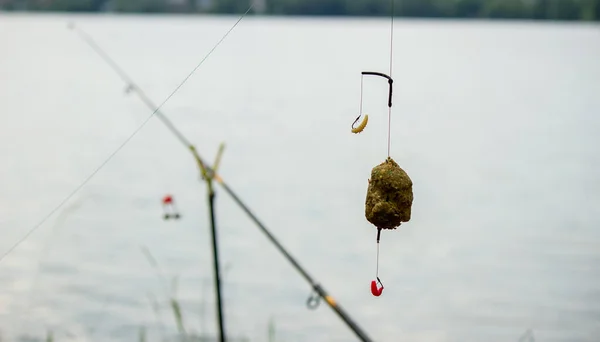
{"points": [[374, 290], [364, 122], [362, 125]]}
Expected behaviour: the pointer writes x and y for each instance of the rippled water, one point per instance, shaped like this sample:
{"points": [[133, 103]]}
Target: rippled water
{"points": [[496, 123]]}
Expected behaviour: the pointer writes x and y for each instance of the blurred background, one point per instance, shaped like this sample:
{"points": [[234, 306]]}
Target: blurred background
{"points": [[523, 9], [495, 121]]}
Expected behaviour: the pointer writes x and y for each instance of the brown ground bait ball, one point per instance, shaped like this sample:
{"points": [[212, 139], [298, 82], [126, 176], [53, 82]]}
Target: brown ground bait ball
{"points": [[389, 196]]}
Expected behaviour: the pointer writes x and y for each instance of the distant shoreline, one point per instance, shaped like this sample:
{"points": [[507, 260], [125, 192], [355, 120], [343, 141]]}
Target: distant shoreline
{"points": [[522, 10], [302, 16]]}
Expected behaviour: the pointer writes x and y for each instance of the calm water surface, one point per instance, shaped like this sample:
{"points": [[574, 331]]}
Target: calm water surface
{"points": [[496, 123]]}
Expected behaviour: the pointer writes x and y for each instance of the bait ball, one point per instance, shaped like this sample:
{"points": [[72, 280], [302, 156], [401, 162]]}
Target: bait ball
{"points": [[389, 196]]}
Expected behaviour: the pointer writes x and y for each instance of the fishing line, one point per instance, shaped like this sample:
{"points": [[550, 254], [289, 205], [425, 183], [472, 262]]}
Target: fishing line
{"points": [[317, 288], [362, 78], [130, 83], [377, 268], [375, 290], [362, 126], [80, 186], [389, 117], [391, 59]]}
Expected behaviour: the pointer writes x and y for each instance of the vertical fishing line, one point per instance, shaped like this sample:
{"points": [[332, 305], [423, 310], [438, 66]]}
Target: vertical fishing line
{"points": [[391, 36], [389, 124], [362, 77], [110, 157], [391, 59], [377, 268]]}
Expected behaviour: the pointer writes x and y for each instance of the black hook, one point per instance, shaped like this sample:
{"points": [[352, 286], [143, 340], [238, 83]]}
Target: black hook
{"points": [[390, 81], [355, 121]]}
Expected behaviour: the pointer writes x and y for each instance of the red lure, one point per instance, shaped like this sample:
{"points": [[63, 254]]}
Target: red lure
{"points": [[374, 290]]}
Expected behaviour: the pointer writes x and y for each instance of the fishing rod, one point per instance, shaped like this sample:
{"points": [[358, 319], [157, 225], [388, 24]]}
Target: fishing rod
{"points": [[119, 148], [211, 174]]}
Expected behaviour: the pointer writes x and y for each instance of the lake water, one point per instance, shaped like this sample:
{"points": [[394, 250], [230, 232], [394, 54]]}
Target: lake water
{"points": [[496, 123]]}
